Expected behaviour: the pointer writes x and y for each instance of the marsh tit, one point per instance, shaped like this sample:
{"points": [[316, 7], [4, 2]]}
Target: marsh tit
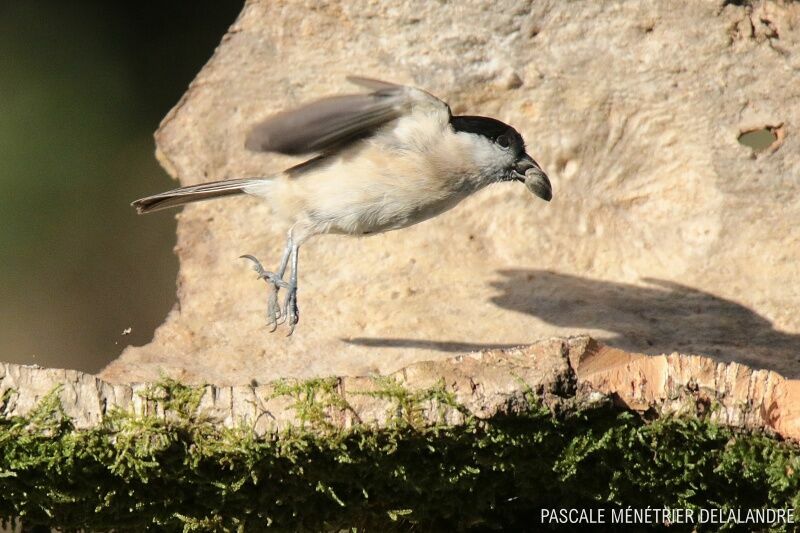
{"points": [[383, 160]]}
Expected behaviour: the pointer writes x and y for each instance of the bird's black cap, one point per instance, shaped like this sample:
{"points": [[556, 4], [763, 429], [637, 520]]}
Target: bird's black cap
{"points": [[490, 128]]}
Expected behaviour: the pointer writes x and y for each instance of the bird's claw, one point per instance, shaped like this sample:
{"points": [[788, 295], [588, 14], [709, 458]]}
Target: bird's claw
{"points": [[270, 277], [257, 266], [275, 315], [273, 309], [291, 313]]}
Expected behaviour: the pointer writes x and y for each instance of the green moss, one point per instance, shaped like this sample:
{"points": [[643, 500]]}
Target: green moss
{"points": [[408, 408], [185, 472], [313, 400]]}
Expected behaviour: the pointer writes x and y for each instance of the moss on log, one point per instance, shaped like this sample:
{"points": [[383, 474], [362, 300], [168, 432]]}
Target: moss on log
{"points": [[177, 469]]}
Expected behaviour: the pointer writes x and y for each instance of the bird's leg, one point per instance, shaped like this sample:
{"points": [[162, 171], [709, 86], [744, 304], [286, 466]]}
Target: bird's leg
{"points": [[275, 282], [291, 313]]}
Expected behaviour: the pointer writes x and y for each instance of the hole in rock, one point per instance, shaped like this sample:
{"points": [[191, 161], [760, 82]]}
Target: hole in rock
{"points": [[760, 139]]}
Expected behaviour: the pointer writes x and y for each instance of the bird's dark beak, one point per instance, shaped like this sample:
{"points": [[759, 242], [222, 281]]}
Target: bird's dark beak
{"points": [[529, 172]]}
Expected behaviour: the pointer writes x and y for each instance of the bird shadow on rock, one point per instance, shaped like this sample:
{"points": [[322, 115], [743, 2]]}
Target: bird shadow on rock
{"points": [[439, 346], [660, 317]]}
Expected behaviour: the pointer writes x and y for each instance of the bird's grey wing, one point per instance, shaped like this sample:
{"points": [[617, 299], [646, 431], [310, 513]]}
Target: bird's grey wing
{"points": [[327, 124], [372, 84]]}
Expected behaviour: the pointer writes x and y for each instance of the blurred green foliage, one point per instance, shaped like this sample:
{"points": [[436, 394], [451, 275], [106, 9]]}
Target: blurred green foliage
{"points": [[83, 85]]}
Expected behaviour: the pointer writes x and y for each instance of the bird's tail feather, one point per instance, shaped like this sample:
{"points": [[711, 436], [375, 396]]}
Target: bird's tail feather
{"points": [[195, 193]]}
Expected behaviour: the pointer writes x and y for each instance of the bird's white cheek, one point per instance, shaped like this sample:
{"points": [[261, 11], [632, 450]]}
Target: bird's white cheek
{"points": [[490, 162]]}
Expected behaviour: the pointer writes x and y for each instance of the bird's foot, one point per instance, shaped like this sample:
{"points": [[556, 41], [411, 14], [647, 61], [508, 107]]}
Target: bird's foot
{"points": [[275, 316], [291, 313]]}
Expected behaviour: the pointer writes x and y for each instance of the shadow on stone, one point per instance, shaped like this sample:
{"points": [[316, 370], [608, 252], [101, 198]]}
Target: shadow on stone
{"points": [[441, 346], [660, 318], [663, 317]]}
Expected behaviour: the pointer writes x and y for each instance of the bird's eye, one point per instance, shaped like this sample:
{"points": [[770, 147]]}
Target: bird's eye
{"points": [[503, 141]]}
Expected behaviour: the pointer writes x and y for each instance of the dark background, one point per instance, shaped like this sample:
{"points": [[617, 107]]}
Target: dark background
{"points": [[83, 86]]}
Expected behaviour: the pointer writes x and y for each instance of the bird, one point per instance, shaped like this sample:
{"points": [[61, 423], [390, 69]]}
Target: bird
{"points": [[381, 160]]}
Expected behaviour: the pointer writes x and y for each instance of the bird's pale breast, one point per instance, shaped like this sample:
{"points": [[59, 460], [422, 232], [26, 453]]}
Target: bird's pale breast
{"points": [[381, 185]]}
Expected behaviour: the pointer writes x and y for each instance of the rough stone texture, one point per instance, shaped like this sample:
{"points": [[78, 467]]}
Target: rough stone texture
{"points": [[734, 394], [484, 383], [664, 234], [563, 373]]}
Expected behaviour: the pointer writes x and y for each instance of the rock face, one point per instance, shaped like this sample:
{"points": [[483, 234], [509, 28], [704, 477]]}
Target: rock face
{"points": [[664, 234], [731, 393]]}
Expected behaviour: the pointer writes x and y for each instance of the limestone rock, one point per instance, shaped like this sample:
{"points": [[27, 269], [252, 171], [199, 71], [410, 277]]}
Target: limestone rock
{"points": [[664, 233], [732, 394]]}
